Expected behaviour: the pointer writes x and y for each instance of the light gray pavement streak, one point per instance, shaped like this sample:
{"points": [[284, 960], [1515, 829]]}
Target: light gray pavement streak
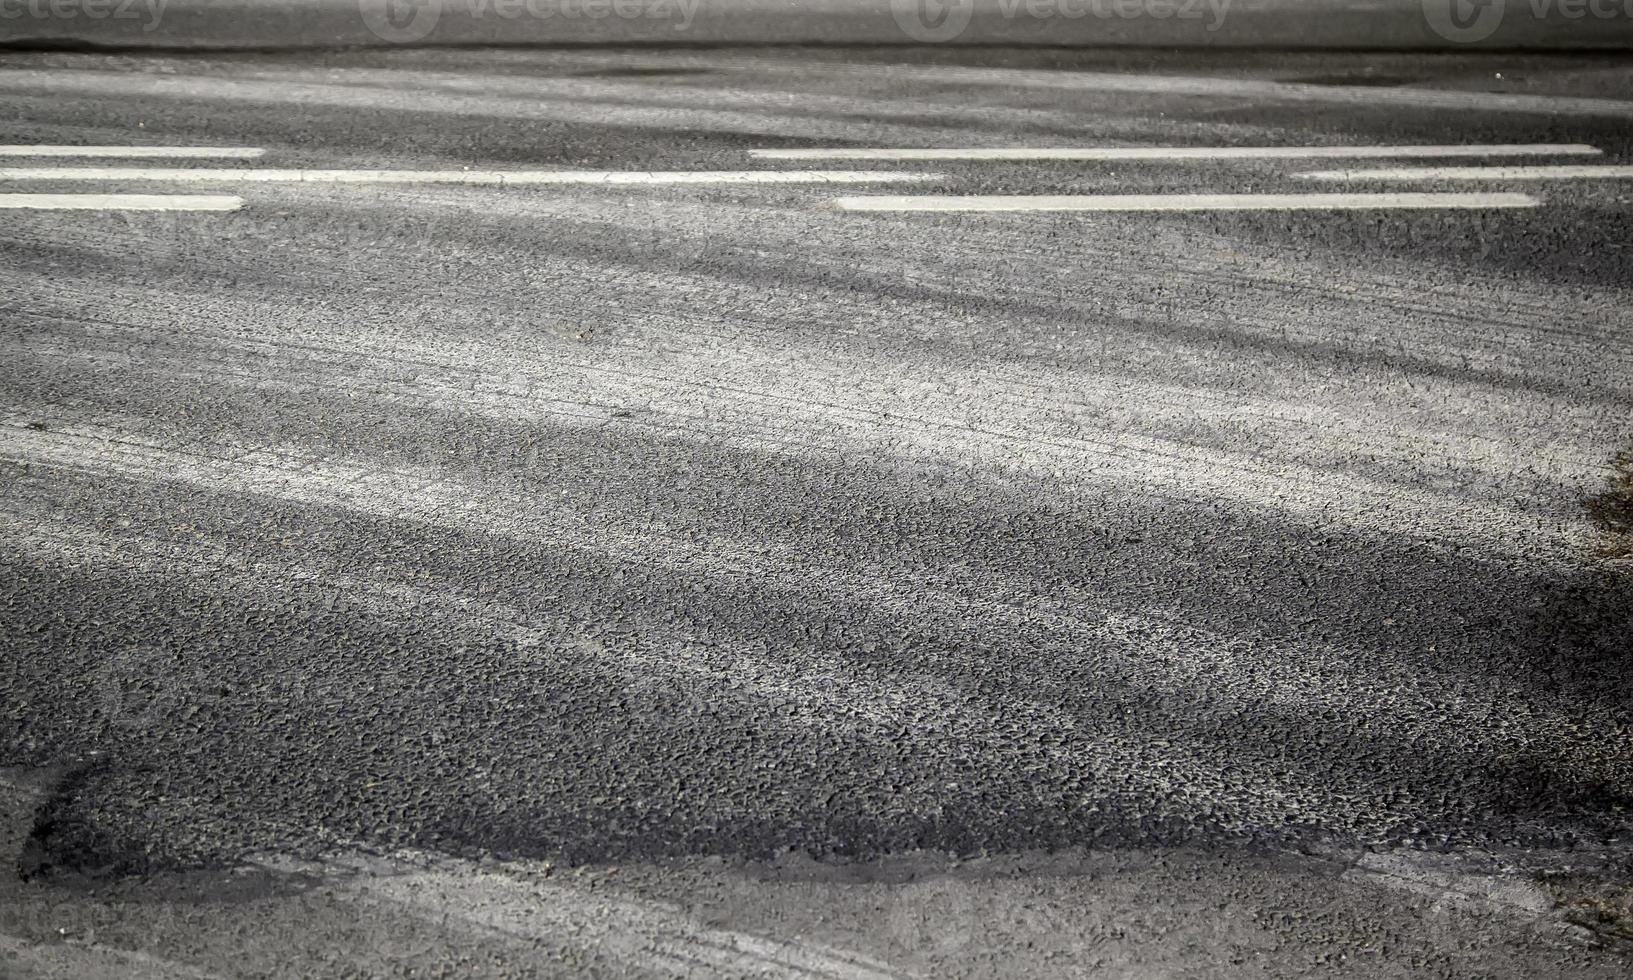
{"points": [[678, 523]]}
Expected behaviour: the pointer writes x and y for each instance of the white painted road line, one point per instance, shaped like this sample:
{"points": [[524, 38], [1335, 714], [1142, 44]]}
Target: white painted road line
{"points": [[1183, 202], [489, 177], [134, 152], [1180, 152], [120, 202], [1605, 172]]}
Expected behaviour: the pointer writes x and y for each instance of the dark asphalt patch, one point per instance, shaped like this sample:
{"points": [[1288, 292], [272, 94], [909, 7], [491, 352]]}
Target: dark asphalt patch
{"points": [[63, 841], [1602, 906], [1612, 510]]}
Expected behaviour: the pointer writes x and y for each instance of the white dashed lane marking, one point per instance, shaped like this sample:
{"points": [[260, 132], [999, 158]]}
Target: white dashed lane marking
{"points": [[1179, 152], [487, 177], [1604, 172], [134, 152], [120, 202], [1183, 202]]}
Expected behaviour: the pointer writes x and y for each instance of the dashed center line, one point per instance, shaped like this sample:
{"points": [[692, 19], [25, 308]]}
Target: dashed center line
{"points": [[120, 202], [1182, 202], [133, 152], [1179, 152], [484, 177], [1603, 172]]}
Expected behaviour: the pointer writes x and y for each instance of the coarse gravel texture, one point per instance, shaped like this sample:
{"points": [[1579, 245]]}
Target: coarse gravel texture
{"points": [[1182, 568]]}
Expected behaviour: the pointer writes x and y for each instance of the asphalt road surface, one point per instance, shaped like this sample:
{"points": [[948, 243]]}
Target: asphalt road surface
{"points": [[1560, 25], [416, 558]]}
